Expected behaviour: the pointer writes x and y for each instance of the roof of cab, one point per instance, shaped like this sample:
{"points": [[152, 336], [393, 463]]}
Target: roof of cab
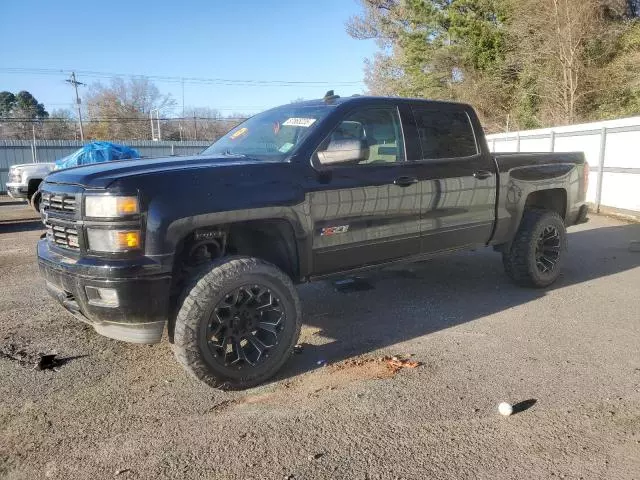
{"points": [[359, 99]]}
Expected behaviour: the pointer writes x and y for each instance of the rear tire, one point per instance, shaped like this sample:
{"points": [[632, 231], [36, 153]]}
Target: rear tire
{"points": [[238, 323], [537, 253]]}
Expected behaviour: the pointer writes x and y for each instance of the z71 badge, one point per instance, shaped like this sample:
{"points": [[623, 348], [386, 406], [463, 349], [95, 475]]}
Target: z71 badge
{"points": [[325, 232]]}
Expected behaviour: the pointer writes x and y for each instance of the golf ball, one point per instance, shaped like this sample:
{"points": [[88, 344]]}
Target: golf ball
{"points": [[505, 409]]}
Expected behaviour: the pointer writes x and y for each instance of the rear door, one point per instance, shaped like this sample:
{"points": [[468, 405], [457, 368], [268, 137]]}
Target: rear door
{"points": [[457, 177], [367, 212]]}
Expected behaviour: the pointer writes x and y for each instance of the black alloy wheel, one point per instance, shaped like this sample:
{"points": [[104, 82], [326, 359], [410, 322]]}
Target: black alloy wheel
{"points": [[548, 249], [244, 326]]}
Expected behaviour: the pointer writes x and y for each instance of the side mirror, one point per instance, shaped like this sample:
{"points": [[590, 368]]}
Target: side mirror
{"points": [[344, 151]]}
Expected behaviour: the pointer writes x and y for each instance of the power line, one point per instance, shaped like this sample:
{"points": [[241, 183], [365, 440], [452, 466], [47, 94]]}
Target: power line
{"points": [[75, 84], [175, 107], [117, 119], [187, 80]]}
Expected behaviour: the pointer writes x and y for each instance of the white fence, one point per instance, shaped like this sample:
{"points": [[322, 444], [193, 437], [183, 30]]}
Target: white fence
{"points": [[612, 149]]}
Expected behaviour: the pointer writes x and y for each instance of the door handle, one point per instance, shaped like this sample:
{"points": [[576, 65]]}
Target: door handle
{"points": [[482, 174], [405, 181]]}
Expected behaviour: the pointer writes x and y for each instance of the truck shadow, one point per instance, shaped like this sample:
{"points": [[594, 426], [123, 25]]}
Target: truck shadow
{"points": [[419, 299], [21, 226]]}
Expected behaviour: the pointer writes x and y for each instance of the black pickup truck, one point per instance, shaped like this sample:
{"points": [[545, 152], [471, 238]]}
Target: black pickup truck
{"points": [[212, 245]]}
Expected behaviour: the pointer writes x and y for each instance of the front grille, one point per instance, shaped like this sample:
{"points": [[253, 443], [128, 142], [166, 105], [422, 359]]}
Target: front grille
{"points": [[58, 202], [58, 211], [62, 236]]}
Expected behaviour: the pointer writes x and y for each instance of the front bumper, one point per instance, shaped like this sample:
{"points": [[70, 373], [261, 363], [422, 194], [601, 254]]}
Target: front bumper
{"points": [[143, 296], [18, 190]]}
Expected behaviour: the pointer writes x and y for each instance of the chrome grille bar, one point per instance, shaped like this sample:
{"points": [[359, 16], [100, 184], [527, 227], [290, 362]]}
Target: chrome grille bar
{"points": [[58, 202], [65, 237], [58, 211]]}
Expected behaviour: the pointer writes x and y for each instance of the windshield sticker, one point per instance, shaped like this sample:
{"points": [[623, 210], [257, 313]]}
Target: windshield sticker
{"points": [[299, 122], [239, 133], [286, 147]]}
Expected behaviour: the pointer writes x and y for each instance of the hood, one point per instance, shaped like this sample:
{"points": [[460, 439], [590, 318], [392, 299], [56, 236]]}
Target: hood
{"points": [[34, 165], [100, 175]]}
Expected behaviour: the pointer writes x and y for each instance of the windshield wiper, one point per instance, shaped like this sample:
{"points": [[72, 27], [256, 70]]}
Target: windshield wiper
{"points": [[228, 153]]}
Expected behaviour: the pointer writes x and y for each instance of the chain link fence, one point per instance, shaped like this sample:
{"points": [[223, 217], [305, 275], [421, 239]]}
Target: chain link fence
{"points": [[13, 152]]}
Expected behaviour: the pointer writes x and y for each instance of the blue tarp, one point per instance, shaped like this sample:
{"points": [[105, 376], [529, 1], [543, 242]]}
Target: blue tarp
{"points": [[96, 152]]}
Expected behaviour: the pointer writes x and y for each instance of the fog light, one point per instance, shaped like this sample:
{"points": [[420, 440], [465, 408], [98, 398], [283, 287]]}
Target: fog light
{"points": [[102, 297]]}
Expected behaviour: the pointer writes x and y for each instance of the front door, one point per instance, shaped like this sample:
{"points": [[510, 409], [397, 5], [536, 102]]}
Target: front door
{"points": [[367, 211]]}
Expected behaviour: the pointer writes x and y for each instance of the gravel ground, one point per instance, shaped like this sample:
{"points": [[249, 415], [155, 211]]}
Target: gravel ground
{"points": [[571, 353]]}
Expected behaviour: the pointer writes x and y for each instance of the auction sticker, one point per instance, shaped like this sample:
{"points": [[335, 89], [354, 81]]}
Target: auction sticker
{"points": [[239, 133], [299, 122]]}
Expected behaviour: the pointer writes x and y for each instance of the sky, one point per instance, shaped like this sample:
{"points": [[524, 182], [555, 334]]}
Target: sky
{"points": [[259, 41]]}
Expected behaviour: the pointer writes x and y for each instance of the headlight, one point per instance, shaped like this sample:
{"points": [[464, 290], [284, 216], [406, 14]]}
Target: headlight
{"points": [[115, 241], [15, 175], [104, 206]]}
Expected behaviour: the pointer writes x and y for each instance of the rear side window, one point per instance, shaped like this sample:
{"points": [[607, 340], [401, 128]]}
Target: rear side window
{"points": [[444, 133]]}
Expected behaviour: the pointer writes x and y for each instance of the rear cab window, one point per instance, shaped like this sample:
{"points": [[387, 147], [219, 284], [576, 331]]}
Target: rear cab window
{"points": [[444, 132]]}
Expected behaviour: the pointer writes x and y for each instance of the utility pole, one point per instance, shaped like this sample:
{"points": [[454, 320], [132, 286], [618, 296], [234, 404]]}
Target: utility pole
{"points": [[182, 119], [195, 127], [153, 133], [182, 81], [75, 84], [34, 149]]}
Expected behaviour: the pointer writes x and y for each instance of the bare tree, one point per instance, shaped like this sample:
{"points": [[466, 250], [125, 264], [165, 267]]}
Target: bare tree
{"points": [[574, 22], [555, 48], [121, 110], [200, 123], [61, 125]]}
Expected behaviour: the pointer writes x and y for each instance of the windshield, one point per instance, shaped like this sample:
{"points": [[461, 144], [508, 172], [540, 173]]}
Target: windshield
{"points": [[270, 135]]}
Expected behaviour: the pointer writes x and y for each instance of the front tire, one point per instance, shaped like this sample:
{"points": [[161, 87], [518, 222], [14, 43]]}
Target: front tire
{"points": [[237, 324], [537, 253], [34, 201]]}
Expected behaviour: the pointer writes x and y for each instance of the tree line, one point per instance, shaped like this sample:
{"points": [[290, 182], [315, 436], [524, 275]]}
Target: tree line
{"points": [[119, 110], [521, 63]]}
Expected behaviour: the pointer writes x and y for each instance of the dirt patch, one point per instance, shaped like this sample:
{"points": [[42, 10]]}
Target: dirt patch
{"points": [[329, 378], [221, 406], [382, 367], [262, 398]]}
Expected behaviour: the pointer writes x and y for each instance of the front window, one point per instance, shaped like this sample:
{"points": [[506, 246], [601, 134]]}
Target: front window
{"points": [[271, 135], [368, 136]]}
